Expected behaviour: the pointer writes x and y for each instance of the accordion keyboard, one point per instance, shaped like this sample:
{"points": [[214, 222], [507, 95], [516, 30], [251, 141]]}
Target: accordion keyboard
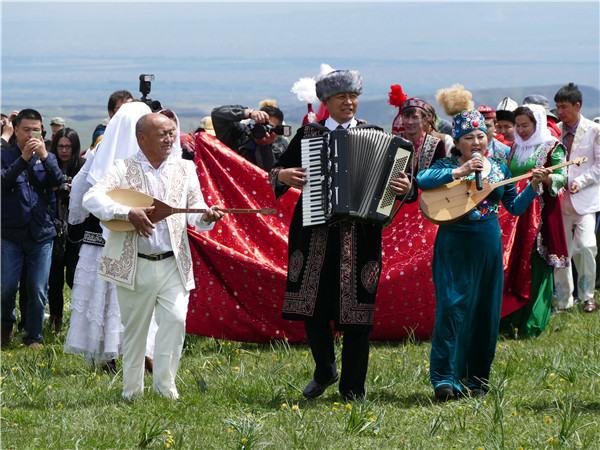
{"points": [[313, 212]]}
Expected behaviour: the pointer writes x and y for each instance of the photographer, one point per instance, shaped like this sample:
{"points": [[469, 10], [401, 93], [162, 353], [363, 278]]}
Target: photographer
{"points": [[65, 253], [260, 143], [8, 138], [29, 174]]}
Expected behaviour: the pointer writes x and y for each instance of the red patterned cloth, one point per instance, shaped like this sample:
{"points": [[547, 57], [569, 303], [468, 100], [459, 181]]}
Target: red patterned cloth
{"points": [[240, 266]]}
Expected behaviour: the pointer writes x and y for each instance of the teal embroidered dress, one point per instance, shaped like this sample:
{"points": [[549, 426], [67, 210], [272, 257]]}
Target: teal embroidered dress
{"points": [[468, 279]]}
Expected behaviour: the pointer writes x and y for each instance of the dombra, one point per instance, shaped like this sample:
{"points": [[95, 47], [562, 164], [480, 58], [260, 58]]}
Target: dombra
{"points": [[128, 197], [448, 203]]}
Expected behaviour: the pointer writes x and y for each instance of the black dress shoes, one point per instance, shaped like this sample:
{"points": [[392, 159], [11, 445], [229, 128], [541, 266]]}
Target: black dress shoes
{"points": [[444, 392], [314, 389]]}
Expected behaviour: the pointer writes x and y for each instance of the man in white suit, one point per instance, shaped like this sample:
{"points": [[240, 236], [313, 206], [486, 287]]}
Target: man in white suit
{"points": [[581, 200], [151, 266]]}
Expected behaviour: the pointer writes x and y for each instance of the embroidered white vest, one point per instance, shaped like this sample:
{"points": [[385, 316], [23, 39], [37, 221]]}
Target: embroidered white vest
{"points": [[119, 258]]}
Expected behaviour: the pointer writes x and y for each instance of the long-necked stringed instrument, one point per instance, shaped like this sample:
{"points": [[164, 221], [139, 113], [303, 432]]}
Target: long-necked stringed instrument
{"points": [[161, 210], [450, 202]]}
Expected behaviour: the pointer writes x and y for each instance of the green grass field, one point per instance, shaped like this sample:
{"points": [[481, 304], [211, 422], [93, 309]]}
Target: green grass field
{"points": [[545, 394]]}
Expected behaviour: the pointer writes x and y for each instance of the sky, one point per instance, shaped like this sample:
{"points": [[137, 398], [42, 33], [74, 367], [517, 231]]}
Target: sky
{"points": [[208, 53]]}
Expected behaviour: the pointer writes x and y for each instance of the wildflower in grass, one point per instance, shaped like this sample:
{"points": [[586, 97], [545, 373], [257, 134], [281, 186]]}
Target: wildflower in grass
{"points": [[49, 387], [9, 354], [552, 375], [552, 441], [372, 418], [335, 403], [303, 353], [585, 357], [54, 369], [72, 376], [514, 414], [284, 406], [244, 440], [548, 420], [399, 361], [295, 408], [349, 407], [236, 368], [16, 425], [187, 371], [59, 406]]}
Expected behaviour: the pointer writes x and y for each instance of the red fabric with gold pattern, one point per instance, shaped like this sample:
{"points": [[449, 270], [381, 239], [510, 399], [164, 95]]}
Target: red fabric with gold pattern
{"points": [[240, 266], [518, 238]]}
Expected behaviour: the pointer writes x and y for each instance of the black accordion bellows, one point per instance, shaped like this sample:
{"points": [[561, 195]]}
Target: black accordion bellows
{"points": [[348, 175]]}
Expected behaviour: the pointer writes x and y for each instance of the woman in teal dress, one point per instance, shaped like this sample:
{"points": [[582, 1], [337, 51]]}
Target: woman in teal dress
{"points": [[467, 257], [538, 236]]}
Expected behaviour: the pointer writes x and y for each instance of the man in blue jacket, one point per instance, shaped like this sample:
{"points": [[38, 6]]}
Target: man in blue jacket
{"points": [[29, 175]]}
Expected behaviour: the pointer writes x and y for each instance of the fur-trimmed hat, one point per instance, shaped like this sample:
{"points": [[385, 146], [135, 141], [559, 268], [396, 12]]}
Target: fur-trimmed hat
{"points": [[338, 82], [503, 114]]}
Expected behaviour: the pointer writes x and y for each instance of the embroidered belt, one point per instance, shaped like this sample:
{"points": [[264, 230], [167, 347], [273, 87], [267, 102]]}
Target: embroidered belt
{"points": [[156, 257], [93, 238]]}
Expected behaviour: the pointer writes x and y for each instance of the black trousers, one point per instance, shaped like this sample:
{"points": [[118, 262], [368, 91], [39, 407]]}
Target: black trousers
{"points": [[355, 356]]}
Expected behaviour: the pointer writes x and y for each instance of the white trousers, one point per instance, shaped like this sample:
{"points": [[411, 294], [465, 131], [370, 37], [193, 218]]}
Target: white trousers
{"points": [[581, 244], [158, 289]]}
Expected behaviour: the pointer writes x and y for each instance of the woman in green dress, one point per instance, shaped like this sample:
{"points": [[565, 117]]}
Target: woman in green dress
{"points": [[538, 235], [467, 256]]}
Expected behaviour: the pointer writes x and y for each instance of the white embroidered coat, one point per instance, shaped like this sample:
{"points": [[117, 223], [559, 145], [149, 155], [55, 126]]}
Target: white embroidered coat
{"points": [[119, 259]]}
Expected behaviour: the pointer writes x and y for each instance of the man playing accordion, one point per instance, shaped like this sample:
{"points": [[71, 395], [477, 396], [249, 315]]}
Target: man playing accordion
{"points": [[333, 269]]}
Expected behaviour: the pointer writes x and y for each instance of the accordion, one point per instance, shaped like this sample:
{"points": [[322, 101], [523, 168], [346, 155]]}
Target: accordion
{"points": [[348, 174]]}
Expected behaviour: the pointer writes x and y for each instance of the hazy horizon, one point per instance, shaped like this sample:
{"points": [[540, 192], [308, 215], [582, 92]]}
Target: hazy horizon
{"points": [[203, 54]]}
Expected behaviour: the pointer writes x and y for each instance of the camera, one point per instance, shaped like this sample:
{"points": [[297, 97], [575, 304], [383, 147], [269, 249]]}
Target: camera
{"points": [[64, 189], [145, 88], [260, 130]]}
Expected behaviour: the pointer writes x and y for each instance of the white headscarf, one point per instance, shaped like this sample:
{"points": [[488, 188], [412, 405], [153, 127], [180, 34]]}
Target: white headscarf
{"points": [[176, 149], [119, 140], [526, 149]]}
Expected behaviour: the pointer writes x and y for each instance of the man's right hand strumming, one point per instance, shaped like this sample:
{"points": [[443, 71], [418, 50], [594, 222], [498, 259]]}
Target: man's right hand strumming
{"points": [[293, 177]]}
